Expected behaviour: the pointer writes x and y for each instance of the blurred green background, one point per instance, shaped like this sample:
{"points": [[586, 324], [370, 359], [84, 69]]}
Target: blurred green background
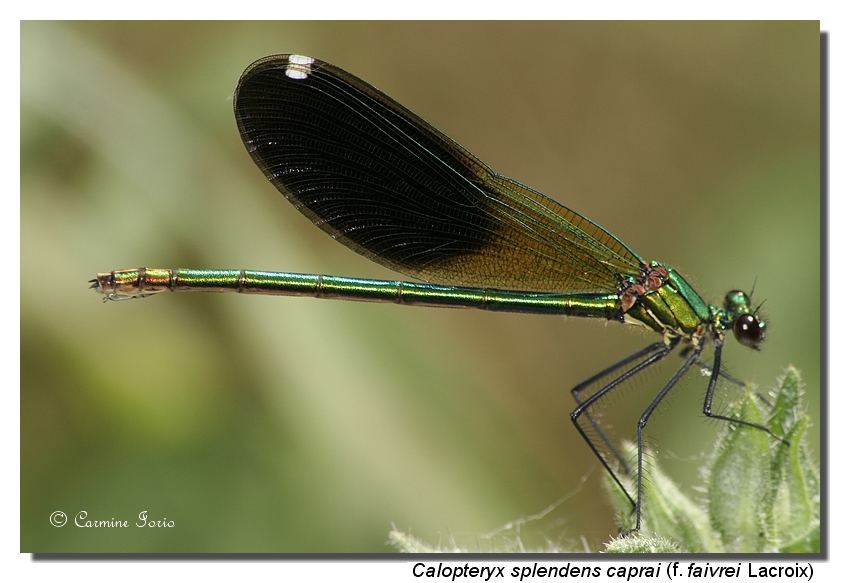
{"points": [[263, 424]]}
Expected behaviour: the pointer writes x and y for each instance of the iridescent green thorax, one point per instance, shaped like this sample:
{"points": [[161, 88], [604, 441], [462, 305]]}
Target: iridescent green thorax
{"points": [[673, 309]]}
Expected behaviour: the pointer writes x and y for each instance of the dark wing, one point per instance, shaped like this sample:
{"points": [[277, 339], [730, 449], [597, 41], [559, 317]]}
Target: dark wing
{"points": [[387, 184]]}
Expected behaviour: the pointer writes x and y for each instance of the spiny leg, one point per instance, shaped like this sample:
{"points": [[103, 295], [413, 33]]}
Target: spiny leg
{"points": [[710, 367], [644, 419], [650, 355], [709, 395], [691, 360], [581, 387]]}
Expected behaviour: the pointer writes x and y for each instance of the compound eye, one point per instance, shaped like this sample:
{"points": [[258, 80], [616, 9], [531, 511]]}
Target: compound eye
{"points": [[748, 330]]}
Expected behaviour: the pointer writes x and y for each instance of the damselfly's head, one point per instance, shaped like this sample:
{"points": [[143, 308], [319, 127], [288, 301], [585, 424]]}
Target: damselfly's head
{"points": [[744, 319]]}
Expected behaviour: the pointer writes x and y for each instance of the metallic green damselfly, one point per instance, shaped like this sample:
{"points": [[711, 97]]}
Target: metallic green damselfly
{"points": [[387, 184]]}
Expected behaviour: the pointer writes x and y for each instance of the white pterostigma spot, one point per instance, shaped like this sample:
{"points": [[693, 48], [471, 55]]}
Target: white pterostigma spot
{"points": [[299, 67]]}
